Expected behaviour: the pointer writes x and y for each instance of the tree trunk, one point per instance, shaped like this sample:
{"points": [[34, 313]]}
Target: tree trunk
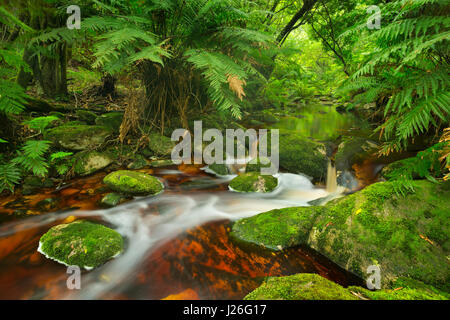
{"points": [[53, 72], [108, 87], [307, 6]]}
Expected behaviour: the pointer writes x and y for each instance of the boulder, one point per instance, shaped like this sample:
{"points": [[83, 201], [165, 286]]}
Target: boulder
{"points": [[254, 182], [112, 199], [89, 162], [138, 162], [219, 169], [353, 150], [81, 243], [77, 137], [300, 155], [160, 145], [257, 164], [161, 163], [111, 120], [403, 235], [86, 116], [306, 286], [303, 286], [133, 183]]}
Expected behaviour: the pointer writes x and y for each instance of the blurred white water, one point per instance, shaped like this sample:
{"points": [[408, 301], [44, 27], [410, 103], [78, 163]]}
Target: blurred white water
{"points": [[144, 229]]}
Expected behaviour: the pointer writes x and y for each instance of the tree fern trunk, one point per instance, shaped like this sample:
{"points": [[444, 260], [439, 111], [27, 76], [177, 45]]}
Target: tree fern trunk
{"points": [[53, 73]]}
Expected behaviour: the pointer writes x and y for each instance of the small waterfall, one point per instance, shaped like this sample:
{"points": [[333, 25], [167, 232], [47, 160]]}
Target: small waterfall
{"points": [[331, 178]]}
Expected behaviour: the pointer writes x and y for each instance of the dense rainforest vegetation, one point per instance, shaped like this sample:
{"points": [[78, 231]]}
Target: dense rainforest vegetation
{"points": [[142, 69]]}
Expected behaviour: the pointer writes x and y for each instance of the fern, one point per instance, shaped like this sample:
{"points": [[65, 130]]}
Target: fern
{"points": [[9, 177], [426, 164], [408, 70], [12, 96], [59, 160], [40, 123], [193, 36], [31, 157]]}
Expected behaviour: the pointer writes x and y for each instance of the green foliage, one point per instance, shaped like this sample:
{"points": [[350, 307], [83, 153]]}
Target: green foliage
{"points": [[12, 96], [40, 123], [61, 161], [407, 71], [204, 38], [31, 157], [304, 69], [426, 164], [9, 176]]}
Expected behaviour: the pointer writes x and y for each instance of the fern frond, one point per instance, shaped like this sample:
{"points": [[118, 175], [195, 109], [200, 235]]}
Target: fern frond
{"points": [[9, 177]]}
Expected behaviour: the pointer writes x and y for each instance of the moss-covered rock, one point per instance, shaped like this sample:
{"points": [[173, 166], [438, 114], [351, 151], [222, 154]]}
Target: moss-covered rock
{"points": [[138, 162], [405, 236], [86, 116], [219, 169], [403, 289], [389, 171], [77, 137], [277, 229], [160, 145], [303, 286], [353, 150], [81, 243], [300, 155], [161, 163], [111, 120], [133, 183], [33, 184], [87, 163], [306, 286], [253, 182], [112, 199], [257, 164]]}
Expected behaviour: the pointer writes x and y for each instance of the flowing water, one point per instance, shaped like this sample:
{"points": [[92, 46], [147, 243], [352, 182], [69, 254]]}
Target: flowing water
{"points": [[177, 244]]}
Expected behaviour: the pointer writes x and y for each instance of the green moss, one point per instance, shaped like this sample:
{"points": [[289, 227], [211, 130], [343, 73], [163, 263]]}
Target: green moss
{"points": [[403, 289], [404, 235], [86, 116], [351, 151], [160, 145], [300, 155], [305, 286], [111, 120], [134, 183], [138, 162], [277, 229], [257, 164], [112, 199], [301, 286], [81, 243], [219, 169], [77, 137], [254, 182], [161, 163], [89, 162]]}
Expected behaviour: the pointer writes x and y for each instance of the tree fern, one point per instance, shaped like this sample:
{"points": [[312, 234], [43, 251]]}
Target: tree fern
{"points": [[408, 70]]}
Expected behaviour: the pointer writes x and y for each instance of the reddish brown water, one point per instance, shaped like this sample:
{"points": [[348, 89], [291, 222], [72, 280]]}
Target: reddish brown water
{"points": [[200, 262]]}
